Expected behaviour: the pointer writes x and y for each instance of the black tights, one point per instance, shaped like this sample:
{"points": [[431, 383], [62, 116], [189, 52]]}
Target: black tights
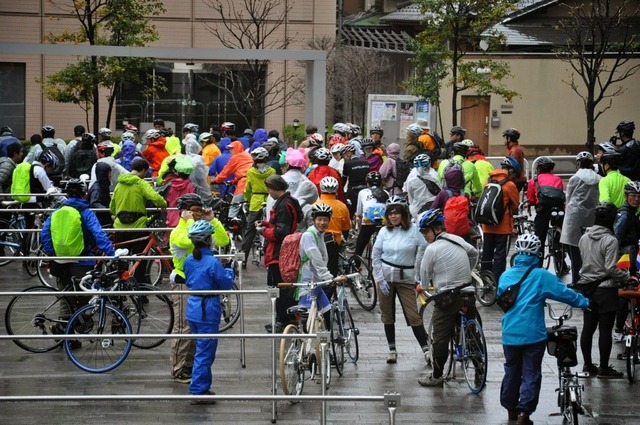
{"points": [[418, 331], [604, 322]]}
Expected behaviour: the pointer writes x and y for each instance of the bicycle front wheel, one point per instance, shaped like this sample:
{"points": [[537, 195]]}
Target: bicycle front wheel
{"points": [[10, 242], [149, 314], [36, 315], [153, 270], [337, 339], [363, 287], [632, 358], [34, 251], [474, 356], [486, 287], [291, 368], [99, 354], [44, 272], [351, 334], [230, 304], [570, 410], [426, 312], [548, 250]]}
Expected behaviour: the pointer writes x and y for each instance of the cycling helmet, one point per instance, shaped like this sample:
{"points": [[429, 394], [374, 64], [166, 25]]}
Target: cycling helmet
{"points": [[605, 214], [248, 131], [271, 144], [227, 126], [349, 147], [205, 137], [512, 133], [200, 232], [190, 127], [581, 156], [626, 127], [329, 184], [5, 130], [367, 143], [75, 188], [430, 218], [422, 160], [166, 132], [376, 129], [316, 139], [152, 134], [337, 138], [321, 210], [130, 128], [259, 154], [184, 165], [544, 163], [632, 187], [322, 155], [337, 148], [473, 152], [468, 142], [158, 121], [397, 200], [107, 144], [414, 129], [528, 244], [611, 154], [341, 128], [47, 129], [48, 157], [127, 135], [374, 178], [354, 129], [88, 138], [189, 200], [511, 162], [458, 130], [607, 147], [460, 148], [105, 132]]}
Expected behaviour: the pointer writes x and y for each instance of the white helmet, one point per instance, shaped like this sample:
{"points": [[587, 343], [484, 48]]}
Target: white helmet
{"points": [[322, 154], [329, 184], [127, 136], [152, 134], [528, 244], [104, 132], [259, 154], [337, 148]]}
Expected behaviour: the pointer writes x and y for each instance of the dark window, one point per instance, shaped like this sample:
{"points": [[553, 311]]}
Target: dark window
{"points": [[12, 93]]}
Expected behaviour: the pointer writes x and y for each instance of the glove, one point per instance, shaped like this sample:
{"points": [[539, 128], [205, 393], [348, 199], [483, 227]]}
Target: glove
{"points": [[120, 252], [384, 287]]}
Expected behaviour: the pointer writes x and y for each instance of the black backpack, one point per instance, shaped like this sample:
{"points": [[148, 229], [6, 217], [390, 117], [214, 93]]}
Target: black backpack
{"points": [[403, 168], [441, 150], [82, 162], [490, 207]]}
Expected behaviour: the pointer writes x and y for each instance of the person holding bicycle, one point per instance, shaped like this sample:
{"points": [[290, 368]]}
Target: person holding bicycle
{"points": [[396, 252], [524, 333], [446, 264], [204, 272]]}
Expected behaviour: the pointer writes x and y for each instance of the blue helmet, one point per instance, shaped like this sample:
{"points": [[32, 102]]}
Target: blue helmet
{"points": [[200, 232], [511, 162], [430, 218], [422, 160]]}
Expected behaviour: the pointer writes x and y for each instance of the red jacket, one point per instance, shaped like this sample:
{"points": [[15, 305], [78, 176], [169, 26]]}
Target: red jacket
{"points": [[238, 165], [283, 220], [155, 153], [322, 171]]}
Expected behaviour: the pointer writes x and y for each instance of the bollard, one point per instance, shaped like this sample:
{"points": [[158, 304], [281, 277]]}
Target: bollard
{"points": [[392, 401], [273, 295], [323, 338]]}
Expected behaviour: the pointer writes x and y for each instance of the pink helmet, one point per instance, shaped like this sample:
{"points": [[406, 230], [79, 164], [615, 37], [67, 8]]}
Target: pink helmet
{"points": [[296, 158]]}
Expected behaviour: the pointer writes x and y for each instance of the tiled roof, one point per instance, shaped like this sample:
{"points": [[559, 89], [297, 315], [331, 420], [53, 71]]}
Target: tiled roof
{"points": [[407, 14]]}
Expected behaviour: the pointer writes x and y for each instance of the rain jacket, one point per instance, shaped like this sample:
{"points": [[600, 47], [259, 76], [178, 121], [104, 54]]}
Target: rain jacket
{"points": [[116, 171], [611, 188], [256, 190], [582, 198], [155, 153], [129, 153], [472, 184], [400, 248], [322, 171], [131, 195], [283, 220], [209, 153], [524, 323], [544, 179], [388, 170], [599, 251], [238, 165], [447, 264], [99, 194], [417, 192], [179, 186]]}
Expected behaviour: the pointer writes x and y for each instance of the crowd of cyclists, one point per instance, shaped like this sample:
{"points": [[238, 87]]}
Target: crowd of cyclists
{"points": [[339, 192]]}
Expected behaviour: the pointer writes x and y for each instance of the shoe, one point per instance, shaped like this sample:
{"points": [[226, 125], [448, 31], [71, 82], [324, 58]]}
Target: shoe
{"points": [[203, 402], [609, 372], [57, 329], [279, 327], [430, 381], [392, 357], [184, 377], [512, 414], [618, 337], [75, 344], [591, 369], [523, 419]]}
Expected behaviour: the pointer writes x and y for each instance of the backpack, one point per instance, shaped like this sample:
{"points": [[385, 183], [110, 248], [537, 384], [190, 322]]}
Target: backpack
{"points": [[490, 207], [83, 161], [441, 149], [21, 181], [290, 262], [456, 215], [549, 196], [375, 213], [67, 236], [54, 149], [431, 186], [403, 168]]}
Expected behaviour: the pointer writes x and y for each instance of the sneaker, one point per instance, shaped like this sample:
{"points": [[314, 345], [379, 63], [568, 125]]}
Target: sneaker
{"points": [[430, 381], [279, 327], [591, 369], [392, 357], [523, 419], [184, 377], [618, 337], [203, 402], [609, 372]]}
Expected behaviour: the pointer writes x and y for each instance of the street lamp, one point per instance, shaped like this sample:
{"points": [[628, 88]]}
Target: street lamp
{"points": [[296, 124]]}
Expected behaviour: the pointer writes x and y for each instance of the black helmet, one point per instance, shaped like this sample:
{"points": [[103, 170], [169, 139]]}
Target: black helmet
{"points": [[512, 133], [89, 138], [189, 200], [158, 121], [626, 127], [374, 178], [321, 210], [605, 214], [458, 130], [75, 188], [545, 163], [460, 148]]}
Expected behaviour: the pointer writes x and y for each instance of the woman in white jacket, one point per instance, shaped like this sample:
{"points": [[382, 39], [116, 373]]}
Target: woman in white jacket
{"points": [[396, 256]]}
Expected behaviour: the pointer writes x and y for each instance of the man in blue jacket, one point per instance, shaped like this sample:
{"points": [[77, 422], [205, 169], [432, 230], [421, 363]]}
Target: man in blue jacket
{"points": [[524, 333]]}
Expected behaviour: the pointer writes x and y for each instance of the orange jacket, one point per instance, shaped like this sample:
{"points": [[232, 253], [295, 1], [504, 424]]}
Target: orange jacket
{"points": [[340, 218], [209, 153], [155, 153], [238, 165], [510, 199]]}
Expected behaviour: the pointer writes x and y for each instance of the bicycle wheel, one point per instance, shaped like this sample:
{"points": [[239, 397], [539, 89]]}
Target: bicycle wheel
{"points": [[320, 327], [35, 315], [230, 304], [486, 287], [569, 409], [632, 358], [363, 287], [98, 354], [559, 253], [351, 334], [34, 251], [426, 312], [44, 272], [291, 368], [474, 356], [337, 339], [10, 242], [548, 250], [153, 270], [149, 314]]}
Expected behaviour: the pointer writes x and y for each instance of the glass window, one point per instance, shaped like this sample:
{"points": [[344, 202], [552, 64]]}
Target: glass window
{"points": [[12, 94]]}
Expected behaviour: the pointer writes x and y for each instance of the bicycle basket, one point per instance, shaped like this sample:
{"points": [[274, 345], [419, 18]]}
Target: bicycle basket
{"points": [[562, 344]]}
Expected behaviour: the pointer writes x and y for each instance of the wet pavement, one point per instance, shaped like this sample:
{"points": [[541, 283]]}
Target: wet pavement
{"points": [[146, 372]]}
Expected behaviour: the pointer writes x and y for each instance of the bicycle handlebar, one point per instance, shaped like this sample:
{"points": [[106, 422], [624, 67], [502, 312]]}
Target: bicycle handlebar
{"points": [[566, 315], [337, 279]]}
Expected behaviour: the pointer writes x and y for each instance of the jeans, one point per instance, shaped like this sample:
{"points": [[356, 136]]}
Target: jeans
{"points": [[495, 250], [522, 376]]}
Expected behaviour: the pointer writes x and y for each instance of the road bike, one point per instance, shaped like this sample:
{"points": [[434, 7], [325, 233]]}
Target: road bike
{"points": [[344, 333], [631, 332], [363, 288], [562, 344], [468, 345]]}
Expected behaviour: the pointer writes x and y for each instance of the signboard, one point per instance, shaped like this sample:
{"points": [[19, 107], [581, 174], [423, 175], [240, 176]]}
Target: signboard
{"points": [[395, 112]]}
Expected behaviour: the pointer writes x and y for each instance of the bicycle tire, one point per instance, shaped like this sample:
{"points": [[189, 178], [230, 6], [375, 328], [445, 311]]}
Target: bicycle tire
{"points": [[13, 238], [99, 355], [291, 368], [34, 251], [44, 272], [320, 327], [149, 314], [575, 410], [548, 250], [486, 288], [363, 287], [337, 339], [230, 306], [34, 315], [559, 253], [632, 353], [153, 269], [569, 409], [351, 343], [426, 313], [474, 356]]}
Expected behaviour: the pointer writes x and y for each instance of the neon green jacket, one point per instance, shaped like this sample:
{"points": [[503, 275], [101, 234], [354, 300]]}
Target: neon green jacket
{"points": [[611, 188], [131, 195], [181, 246], [472, 183], [483, 168], [255, 192]]}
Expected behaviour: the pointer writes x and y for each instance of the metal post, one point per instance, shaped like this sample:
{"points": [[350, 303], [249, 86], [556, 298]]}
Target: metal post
{"points": [[243, 352], [323, 338], [273, 294], [392, 402]]}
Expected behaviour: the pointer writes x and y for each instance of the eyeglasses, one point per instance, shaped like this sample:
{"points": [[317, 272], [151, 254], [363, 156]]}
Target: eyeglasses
{"points": [[196, 210]]}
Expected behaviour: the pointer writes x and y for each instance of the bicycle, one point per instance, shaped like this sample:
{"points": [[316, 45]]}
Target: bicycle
{"points": [[484, 281], [562, 344], [299, 355], [631, 332], [468, 345], [344, 333], [522, 224], [553, 248], [21, 243], [363, 288]]}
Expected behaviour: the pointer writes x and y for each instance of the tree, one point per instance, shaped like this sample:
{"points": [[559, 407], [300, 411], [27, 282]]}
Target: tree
{"points": [[600, 43], [453, 29], [255, 91], [103, 22]]}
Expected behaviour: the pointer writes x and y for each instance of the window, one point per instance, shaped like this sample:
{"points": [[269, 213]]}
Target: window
{"points": [[12, 94]]}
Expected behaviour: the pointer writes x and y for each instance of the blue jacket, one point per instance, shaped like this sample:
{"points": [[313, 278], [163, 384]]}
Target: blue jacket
{"points": [[94, 236], [524, 323], [206, 274]]}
